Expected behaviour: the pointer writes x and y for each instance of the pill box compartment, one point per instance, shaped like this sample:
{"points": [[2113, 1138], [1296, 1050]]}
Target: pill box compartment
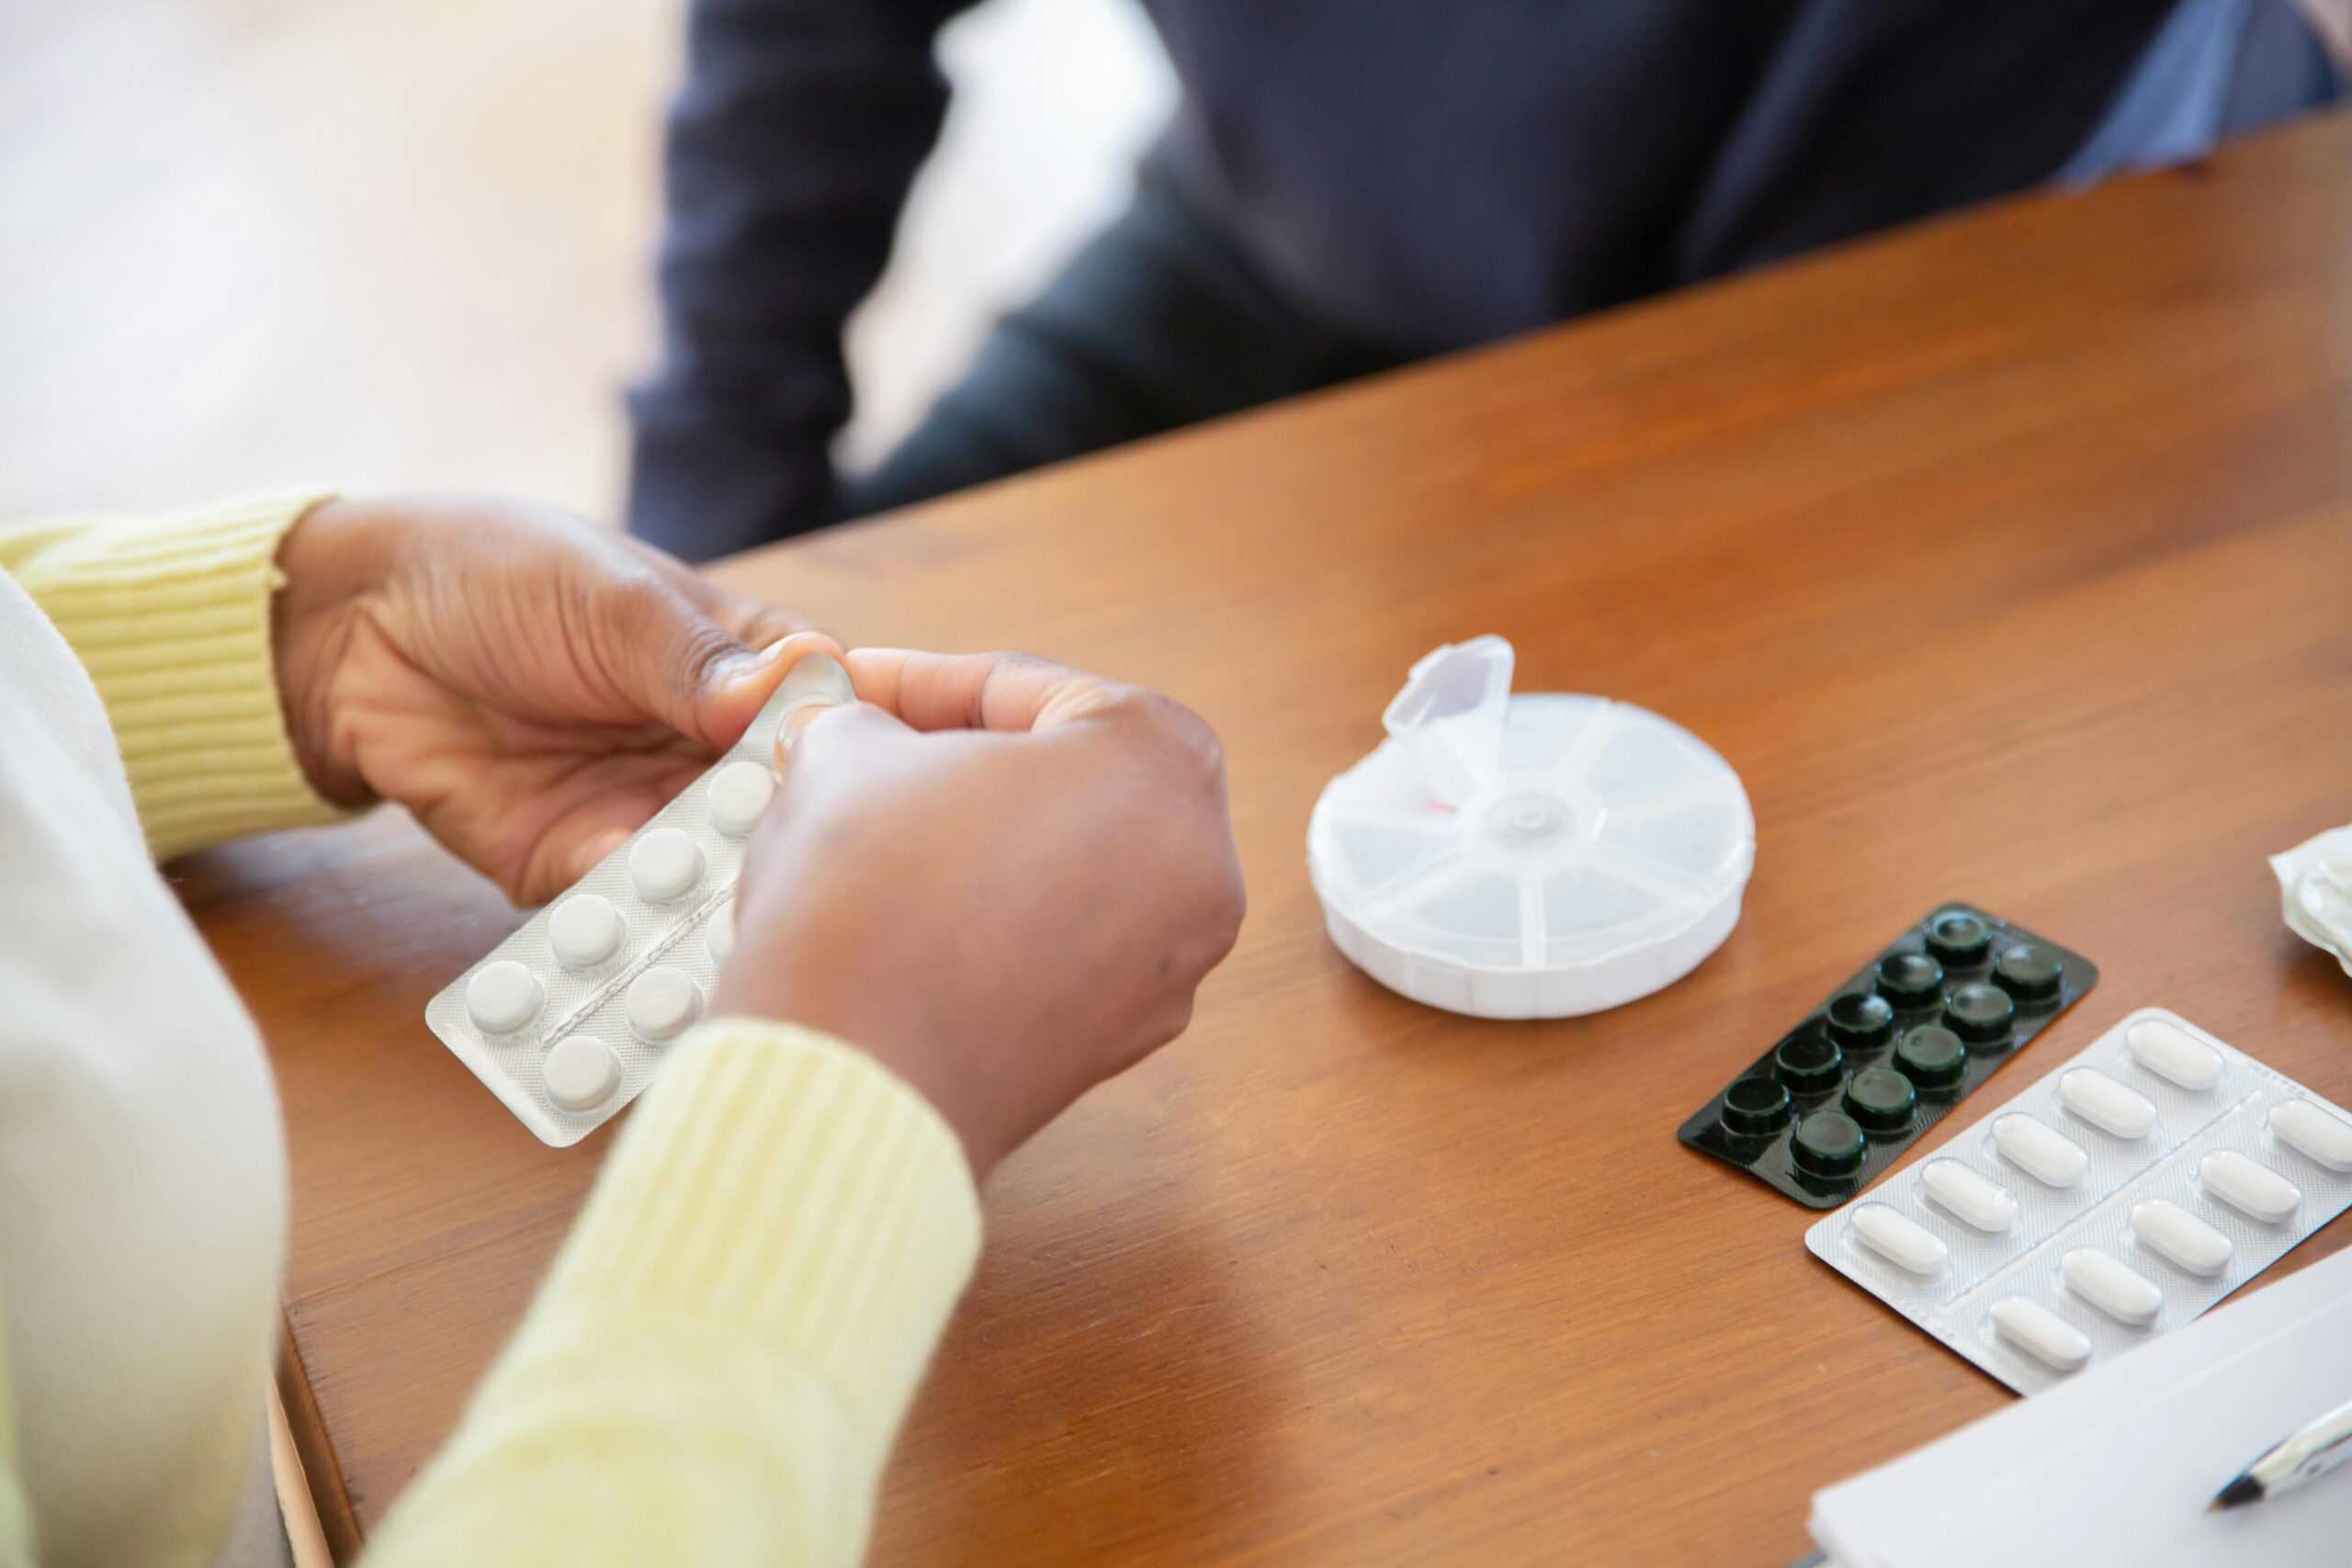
{"points": [[1839, 1098]]}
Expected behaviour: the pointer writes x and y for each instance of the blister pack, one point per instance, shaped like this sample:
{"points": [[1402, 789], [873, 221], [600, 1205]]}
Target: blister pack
{"points": [[2129, 1189], [566, 1019], [1838, 1099]]}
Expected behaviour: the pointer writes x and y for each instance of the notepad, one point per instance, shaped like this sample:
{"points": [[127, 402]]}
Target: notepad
{"points": [[2117, 1466]]}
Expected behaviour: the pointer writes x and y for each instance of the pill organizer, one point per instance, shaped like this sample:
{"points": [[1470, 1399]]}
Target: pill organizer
{"points": [[1838, 1099], [1534, 855], [2122, 1194], [566, 1020]]}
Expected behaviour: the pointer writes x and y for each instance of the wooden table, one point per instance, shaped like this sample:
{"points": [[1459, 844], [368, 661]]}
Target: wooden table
{"points": [[2010, 558]]}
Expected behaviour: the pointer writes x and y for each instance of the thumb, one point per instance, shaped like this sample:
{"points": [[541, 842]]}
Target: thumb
{"points": [[826, 737], [733, 690], [677, 648], [665, 655]]}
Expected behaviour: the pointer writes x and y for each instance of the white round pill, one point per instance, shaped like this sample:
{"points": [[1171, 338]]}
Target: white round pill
{"points": [[2314, 1132], [584, 931], [719, 935], [665, 864], [2248, 1186], [1900, 1239], [661, 1002], [2040, 1333], [739, 793], [1977, 1201], [2050, 1157], [2105, 1104], [580, 1073], [2167, 1051], [503, 998], [2166, 1229], [2123, 1292]]}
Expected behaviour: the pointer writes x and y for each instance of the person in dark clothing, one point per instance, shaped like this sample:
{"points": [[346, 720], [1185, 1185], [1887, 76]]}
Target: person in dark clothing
{"points": [[1349, 185]]}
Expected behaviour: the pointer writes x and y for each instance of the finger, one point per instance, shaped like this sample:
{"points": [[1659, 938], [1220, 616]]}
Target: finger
{"points": [[756, 624], [977, 690], [592, 850], [752, 622], [584, 831], [580, 842], [662, 650], [736, 697], [817, 735]]}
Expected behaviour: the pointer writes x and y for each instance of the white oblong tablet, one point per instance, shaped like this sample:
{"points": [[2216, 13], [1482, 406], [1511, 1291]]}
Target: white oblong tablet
{"points": [[2040, 1333], [2050, 1157], [2109, 1106], [1974, 1199], [719, 934], [2170, 1051], [665, 864], [1899, 1239], [2314, 1133], [580, 1073], [2115, 1288], [503, 998], [739, 793], [2170, 1231], [661, 1002], [584, 931], [2248, 1186]]}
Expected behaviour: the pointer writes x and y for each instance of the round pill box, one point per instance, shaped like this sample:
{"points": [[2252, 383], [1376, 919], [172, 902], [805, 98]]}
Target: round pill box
{"points": [[1530, 856]]}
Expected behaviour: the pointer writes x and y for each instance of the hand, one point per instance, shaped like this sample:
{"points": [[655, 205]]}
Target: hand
{"points": [[532, 687], [1003, 878]]}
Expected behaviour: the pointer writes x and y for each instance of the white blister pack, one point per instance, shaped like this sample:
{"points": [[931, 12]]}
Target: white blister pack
{"points": [[566, 1020], [2124, 1194]]}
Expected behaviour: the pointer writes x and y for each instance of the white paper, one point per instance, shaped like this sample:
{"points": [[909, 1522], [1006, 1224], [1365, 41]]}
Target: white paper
{"points": [[2117, 1467], [2315, 892]]}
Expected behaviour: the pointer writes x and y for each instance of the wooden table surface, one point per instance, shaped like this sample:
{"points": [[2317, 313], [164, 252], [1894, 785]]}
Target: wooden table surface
{"points": [[2008, 560]]}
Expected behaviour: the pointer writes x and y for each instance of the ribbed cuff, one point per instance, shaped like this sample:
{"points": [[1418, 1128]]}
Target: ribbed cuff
{"points": [[779, 1184], [171, 617]]}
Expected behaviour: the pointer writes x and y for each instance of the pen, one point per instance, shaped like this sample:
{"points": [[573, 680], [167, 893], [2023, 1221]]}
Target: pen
{"points": [[2311, 1453]]}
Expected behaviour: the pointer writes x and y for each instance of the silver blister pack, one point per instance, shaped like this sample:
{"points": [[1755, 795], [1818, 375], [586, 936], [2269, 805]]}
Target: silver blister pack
{"points": [[567, 1020], [2124, 1193]]}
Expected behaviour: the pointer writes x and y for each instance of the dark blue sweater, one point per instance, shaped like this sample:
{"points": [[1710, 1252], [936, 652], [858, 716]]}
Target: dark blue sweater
{"points": [[1419, 174]]}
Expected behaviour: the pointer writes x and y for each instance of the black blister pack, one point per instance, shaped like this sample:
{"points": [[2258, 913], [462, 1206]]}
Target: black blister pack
{"points": [[1840, 1097]]}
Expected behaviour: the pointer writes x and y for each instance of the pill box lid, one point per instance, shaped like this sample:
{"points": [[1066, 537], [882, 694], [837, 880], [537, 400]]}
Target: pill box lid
{"points": [[1530, 856]]}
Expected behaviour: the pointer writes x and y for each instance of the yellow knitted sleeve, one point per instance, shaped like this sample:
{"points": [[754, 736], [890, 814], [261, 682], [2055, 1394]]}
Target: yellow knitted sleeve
{"points": [[169, 612], [15, 1514], [715, 1368]]}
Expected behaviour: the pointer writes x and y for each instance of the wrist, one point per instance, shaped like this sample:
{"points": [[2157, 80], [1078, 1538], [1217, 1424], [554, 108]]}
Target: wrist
{"points": [[885, 1026], [331, 559]]}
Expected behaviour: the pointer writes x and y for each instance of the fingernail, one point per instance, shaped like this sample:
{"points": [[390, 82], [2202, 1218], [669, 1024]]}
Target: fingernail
{"points": [[751, 663], [786, 650]]}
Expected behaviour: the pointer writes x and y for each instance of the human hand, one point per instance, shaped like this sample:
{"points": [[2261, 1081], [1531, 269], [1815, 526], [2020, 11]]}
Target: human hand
{"points": [[1003, 878], [532, 687]]}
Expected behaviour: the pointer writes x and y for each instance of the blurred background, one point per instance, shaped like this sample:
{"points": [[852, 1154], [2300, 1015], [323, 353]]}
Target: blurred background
{"points": [[246, 243]]}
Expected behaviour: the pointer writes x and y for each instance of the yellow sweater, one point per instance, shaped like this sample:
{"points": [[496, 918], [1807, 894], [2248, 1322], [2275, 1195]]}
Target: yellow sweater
{"points": [[715, 1368]]}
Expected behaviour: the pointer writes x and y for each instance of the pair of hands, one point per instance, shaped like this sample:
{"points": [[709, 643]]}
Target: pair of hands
{"points": [[1004, 878]]}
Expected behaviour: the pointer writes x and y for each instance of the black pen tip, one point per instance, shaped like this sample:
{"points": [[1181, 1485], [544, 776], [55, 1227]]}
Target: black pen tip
{"points": [[2245, 1489]]}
